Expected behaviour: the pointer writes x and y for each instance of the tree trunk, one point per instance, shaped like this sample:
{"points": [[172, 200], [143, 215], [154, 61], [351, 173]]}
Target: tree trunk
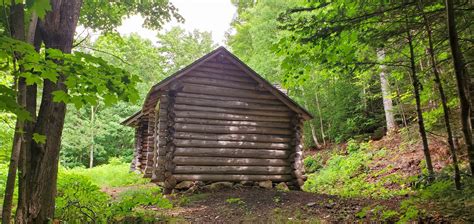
{"points": [[386, 94], [439, 85], [463, 81], [36, 205], [17, 30], [421, 124], [91, 155], [400, 104], [313, 130], [323, 136]]}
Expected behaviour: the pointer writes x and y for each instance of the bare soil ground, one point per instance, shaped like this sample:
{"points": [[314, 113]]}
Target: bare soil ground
{"points": [[257, 205]]}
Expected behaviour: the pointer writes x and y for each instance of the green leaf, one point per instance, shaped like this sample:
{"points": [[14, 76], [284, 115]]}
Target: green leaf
{"points": [[39, 6], [60, 96], [38, 138], [50, 74]]}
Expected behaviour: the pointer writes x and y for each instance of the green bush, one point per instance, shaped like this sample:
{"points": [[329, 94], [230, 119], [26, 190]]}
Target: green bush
{"points": [[130, 202], [313, 163], [114, 174], [80, 201]]}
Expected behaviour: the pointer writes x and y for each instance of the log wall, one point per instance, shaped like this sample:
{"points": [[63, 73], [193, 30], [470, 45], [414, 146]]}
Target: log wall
{"points": [[218, 124]]}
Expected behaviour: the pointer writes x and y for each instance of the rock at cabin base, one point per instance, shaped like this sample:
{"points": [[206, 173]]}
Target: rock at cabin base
{"points": [[184, 185], [267, 184], [220, 185], [282, 187], [247, 183]]}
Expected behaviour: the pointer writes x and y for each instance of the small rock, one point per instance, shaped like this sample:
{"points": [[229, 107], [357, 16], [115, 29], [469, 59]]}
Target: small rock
{"points": [[237, 186], [184, 185], [199, 183], [247, 183], [329, 205], [311, 204], [220, 185], [267, 184], [282, 187]]}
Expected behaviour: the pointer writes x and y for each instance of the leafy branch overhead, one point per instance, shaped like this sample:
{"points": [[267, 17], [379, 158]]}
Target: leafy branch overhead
{"points": [[90, 79]]}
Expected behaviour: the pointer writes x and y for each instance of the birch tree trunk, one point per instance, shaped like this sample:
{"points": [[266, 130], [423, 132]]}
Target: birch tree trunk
{"points": [[313, 130], [91, 153], [386, 94], [320, 119]]}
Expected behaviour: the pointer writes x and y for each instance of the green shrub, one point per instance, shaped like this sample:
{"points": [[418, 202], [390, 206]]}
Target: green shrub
{"points": [[313, 163], [80, 201], [114, 174], [130, 202]]}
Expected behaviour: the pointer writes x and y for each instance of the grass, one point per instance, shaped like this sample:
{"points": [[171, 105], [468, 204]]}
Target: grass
{"points": [[114, 174], [347, 175]]}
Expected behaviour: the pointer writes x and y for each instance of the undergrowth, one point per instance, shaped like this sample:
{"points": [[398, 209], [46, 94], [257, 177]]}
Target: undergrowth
{"points": [[80, 200], [114, 174], [347, 175]]}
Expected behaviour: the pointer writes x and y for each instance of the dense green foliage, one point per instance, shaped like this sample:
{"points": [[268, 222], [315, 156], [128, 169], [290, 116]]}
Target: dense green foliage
{"points": [[325, 54], [80, 198]]}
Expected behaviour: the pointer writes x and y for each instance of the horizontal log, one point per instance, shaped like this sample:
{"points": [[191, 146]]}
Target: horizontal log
{"points": [[229, 144], [242, 79], [229, 104], [214, 97], [183, 107], [224, 161], [232, 123], [222, 83], [223, 91], [232, 137], [232, 152], [221, 71], [219, 65], [228, 116], [232, 170], [230, 177], [230, 129]]}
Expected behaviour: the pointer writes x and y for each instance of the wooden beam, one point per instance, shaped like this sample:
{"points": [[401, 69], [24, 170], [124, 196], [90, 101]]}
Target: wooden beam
{"points": [[232, 170], [214, 97], [233, 137], [230, 177], [223, 91], [232, 152], [230, 129], [232, 123], [225, 161], [230, 144], [229, 104], [183, 107], [228, 116]]}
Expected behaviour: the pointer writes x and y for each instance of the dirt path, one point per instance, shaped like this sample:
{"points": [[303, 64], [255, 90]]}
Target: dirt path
{"points": [[257, 205]]}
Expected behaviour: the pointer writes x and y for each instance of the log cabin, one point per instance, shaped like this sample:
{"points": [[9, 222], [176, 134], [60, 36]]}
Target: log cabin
{"points": [[218, 120]]}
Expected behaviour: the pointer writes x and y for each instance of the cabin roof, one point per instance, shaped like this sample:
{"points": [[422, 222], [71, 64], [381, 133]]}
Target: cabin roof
{"points": [[236, 61]]}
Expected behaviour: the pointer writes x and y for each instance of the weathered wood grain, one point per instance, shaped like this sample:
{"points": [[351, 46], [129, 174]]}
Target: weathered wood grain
{"points": [[230, 144], [183, 107], [231, 177], [229, 104], [232, 170], [232, 152], [233, 137], [214, 161], [230, 129]]}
